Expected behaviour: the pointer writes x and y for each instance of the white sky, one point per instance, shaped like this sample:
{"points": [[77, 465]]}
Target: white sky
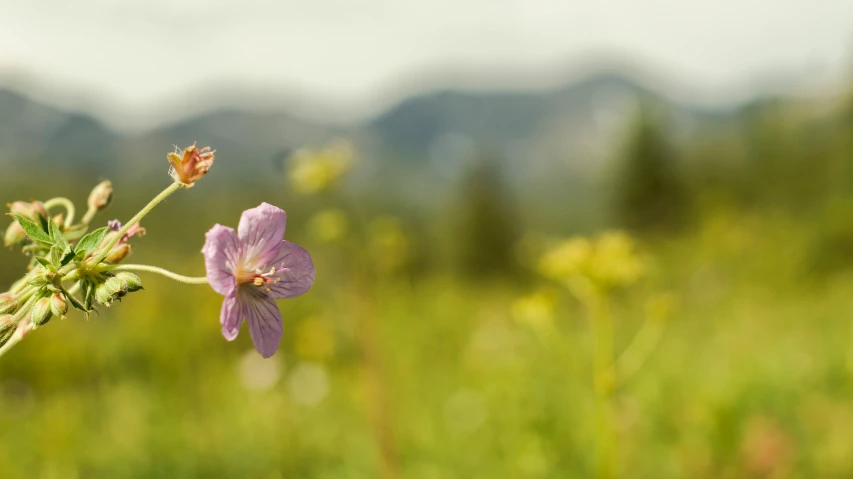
{"points": [[346, 55]]}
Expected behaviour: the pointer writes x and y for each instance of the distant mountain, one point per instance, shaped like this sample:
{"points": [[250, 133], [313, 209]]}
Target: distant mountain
{"points": [[574, 125]]}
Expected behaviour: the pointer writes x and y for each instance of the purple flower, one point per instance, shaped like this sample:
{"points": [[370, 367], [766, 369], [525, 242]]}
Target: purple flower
{"points": [[252, 268]]}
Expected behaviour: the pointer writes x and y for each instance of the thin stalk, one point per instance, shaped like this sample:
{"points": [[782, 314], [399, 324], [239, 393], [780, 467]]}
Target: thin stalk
{"points": [[604, 385], [157, 270], [65, 203], [150, 206]]}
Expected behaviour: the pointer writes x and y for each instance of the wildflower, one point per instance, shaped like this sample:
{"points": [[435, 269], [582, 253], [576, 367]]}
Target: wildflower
{"points": [[313, 171], [252, 267], [190, 164]]}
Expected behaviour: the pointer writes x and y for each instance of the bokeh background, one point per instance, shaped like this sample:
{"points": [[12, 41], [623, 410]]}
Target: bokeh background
{"points": [[484, 186]]}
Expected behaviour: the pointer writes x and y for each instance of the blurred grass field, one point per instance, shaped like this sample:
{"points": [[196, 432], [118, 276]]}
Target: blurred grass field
{"points": [[398, 363]]}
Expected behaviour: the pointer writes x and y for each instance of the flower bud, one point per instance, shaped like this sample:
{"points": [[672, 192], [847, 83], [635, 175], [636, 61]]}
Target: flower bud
{"points": [[15, 234], [133, 282], [31, 211], [116, 287], [41, 278], [8, 303], [102, 296], [7, 328], [101, 196], [41, 312], [118, 253], [58, 305]]}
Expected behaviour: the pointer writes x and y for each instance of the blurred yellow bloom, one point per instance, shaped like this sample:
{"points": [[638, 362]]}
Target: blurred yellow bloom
{"points": [[535, 310], [568, 258], [315, 339], [313, 171], [328, 226], [608, 261], [614, 261], [389, 244]]}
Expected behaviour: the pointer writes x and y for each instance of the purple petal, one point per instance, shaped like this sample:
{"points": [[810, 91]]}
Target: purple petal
{"points": [[231, 316], [264, 320], [221, 256], [294, 270], [261, 230]]}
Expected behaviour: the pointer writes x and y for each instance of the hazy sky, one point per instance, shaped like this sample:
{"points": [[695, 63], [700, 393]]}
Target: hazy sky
{"points": [[347, 54]]}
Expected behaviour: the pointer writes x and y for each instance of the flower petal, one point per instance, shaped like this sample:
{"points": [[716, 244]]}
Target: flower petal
{"points": [[231, 316], [264, 320], [294, 270], [261, 230], [221, 256]]}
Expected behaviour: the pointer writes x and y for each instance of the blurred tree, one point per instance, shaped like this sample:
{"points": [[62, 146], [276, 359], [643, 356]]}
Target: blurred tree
{"points": [[649, 194], [489, 230]]}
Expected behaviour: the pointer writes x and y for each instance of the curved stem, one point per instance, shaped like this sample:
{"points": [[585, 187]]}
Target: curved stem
{"points": [[65, 203], [150, 206], [89, 216], [160, 271]]}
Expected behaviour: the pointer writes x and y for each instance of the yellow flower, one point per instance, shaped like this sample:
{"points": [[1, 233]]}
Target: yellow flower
{"points": [[614, 261], [535, 310], [313, 171], [566, 259]]}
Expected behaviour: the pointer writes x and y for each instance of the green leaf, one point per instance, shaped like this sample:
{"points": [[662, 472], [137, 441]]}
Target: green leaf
{"points": [[56, 234], [69, 255], [88, 294], [76, 302], [34, 231], [92, 240], [46, 263]]}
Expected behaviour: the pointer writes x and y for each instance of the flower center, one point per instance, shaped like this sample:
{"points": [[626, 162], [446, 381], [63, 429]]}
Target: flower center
{"points": [[258, 278]]}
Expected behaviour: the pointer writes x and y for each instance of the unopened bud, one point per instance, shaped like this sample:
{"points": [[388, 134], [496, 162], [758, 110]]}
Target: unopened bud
{"points": [[8, 303], [101, 196], [31, 211], [102, 296], [41, 278], [15, 234], [58, 305], [118, 253], [7, 328], [133, 282], [116, 287], [41, 312]]}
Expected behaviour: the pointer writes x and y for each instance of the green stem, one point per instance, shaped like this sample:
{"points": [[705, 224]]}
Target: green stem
{"points": [[604, 384], [150, 206], [641, 347], [157, 270], [65, 203], [89, 216]]}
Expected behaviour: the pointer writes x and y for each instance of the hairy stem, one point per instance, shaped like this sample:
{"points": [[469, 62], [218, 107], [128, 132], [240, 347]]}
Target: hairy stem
{"points": [[65, 203], [150, 206], [157, 270]]}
